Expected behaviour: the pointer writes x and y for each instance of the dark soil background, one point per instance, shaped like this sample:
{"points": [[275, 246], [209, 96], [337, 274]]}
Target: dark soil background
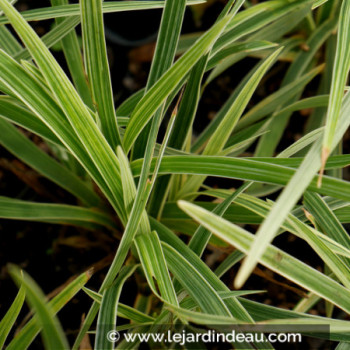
{"points": [[52, 254]]}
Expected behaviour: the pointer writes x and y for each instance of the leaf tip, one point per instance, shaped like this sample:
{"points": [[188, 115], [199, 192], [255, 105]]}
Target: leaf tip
{"points": [[238, 282], [310, 217], [119, 150], [324, 157], [182, 204], [244, 272], [90, 272], [14, 270]]}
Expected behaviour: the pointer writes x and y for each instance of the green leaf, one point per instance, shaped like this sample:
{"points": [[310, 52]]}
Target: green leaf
{"points": [[11, 315], [183, 122], [299, 67], [262, 109], [176, 219], [229, 262], [28, 333], [310, 102], [72, 53], [290, 195], [58, 213], [123, 310], [262, 312], [195, 284], [326, 218], [19, 82], [74, 9], [342, 346], [143, 191], [129, 192], [237, 293], [326, 248], [294, 223], [74, 108], [164, 55], [256, 18], [152, 258], [185, 115], [53, 335], [126, 108], [247, 47], [189, 257], [19, 145], [96, 63], [273, 258], [219, 138], [108, 312], [318, 3], [273, 101], [299, 324], [8, 42], [301, 144], [340, 74], [243, 169], [286, 17], [334, 162], [202, 236], [16, 113], [52, 37], [156, 95], [208, 131]]}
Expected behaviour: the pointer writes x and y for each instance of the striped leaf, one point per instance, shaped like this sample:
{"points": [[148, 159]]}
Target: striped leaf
{"points": [[340, 72], [273, 258], [154, 98], [74, 108], [28, 333], [74, 9], [107, 316], [155, 268], [96, 63], [53, 335]]}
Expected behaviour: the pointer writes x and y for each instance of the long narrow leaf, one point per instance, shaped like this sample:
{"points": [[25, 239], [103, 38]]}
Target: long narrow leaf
{"points": [[243, 169], [72, 53], [70, 102], [25, 210], [169, 32], [74, 9], [123, 310], [194, 283], [96, 63], [164, 86], [326, 218], [108, 314], [340, 73], [52, 37], [153, 262], [11, 315], [236, 309], [25, 150], [220, 136], [28, 333], [273, 258], [53, 335], [289, 197]]}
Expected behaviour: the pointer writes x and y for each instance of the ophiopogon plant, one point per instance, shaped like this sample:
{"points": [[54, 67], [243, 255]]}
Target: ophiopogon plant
{"points": [[150, 186]]}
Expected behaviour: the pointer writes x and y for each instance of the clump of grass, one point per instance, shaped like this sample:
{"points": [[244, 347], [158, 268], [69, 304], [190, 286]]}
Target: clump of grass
{"points": [[146, 181]]}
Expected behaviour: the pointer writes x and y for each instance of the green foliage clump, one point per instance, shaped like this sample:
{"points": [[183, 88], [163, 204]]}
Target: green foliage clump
{"points": [[155, 189]]}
